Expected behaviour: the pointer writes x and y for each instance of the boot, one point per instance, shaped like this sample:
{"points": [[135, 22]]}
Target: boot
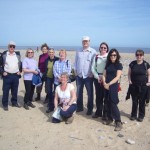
{"points": [[46, 99], [38, 97], [118, 126]]}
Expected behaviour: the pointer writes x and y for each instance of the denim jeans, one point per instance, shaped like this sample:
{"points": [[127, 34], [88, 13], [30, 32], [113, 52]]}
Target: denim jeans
{"points": [[88, 82], [69, 112], [49, 85], [10, 82]]}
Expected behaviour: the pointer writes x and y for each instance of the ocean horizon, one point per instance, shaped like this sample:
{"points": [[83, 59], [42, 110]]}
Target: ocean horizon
{"points": [[74, 48]]}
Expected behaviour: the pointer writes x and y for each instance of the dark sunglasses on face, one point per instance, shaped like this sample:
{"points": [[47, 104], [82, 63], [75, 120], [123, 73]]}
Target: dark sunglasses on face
{"points": [[139, 54], [12, 46], [113, 55], [30, 52]]}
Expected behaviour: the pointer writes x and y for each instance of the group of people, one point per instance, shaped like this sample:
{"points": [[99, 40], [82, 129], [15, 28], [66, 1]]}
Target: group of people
{"points": [[103, 69]]}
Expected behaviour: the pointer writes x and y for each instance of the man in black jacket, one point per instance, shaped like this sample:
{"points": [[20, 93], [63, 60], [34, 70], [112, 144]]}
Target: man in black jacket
{"points": [[11, 72]]}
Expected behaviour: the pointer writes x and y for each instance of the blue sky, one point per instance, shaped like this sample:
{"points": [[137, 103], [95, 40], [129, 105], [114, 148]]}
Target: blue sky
{"points": [[120, 23]]}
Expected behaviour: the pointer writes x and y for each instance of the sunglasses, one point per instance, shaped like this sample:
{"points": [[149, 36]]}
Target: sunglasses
{"points": [[113, 55], [139, 54], [103, 47], [30, 52], [12, 46]]}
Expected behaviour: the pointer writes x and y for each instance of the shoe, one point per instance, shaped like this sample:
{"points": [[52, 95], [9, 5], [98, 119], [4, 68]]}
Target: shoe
{"points": [[79, 110], [38, 97], [147, 104], [89, 112], [133, 118], [46, 99], [16, 105], [107, 122], [69, 120], [96, 116], [118, 126], [140, 119], [26, 106], [31, 105], [5, 108], [49, 110]]}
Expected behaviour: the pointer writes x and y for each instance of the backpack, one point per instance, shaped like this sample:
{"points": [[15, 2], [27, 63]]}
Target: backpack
{"points": [[72, 77]]}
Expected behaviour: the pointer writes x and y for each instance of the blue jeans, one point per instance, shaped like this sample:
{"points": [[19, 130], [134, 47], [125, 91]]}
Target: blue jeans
{"points": [[69, 112], [88, 82], [49, 84], [10, 82]]}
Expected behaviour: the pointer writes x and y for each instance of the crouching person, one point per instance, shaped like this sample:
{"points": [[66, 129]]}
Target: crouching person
{"points": [[65, 99]]}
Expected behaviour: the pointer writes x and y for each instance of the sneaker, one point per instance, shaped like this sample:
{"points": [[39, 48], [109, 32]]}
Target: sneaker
{"points": [[38, 97], [31, 105], [49, 110], [140, 119], [69, 120], [16, 105], [133, 118], [118, 126], [107, 122], [96, 116], [5, 108], [26, 106], [89, 112], [79, 110]]}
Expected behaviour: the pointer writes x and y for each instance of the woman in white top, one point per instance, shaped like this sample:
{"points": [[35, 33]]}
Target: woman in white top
{"points": [[65, 96]]}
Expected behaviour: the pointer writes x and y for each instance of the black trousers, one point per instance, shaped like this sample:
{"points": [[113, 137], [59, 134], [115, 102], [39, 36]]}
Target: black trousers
{"points": [[112, 108], [101, 104], [139, 95], [29, 91]]}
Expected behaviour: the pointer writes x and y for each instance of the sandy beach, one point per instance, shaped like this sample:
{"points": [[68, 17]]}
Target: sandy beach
{"points": [[32, 129]]}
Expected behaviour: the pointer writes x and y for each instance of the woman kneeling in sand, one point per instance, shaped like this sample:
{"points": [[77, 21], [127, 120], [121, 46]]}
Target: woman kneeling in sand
{"points": [[65, 96]]}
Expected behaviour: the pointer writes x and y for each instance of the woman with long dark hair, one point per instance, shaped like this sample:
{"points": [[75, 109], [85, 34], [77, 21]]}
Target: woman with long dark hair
{"points": [[111, 75]]}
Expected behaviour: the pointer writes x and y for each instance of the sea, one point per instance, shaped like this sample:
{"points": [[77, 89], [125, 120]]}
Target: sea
{"points": [[74, 48]]}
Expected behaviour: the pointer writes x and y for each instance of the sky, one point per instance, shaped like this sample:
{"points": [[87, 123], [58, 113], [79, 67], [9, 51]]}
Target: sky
{"points": [[120, 23]]}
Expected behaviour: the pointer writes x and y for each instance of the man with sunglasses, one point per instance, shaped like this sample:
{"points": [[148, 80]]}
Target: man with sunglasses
{"points": [[11, 71]]}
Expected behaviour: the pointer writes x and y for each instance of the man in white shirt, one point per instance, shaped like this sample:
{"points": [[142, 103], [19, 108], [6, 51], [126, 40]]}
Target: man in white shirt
{"points": [[11, 71], [83, 62]]}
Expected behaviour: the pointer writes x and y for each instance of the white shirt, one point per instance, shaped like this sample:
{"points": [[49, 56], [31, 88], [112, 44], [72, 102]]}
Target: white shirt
{"points": [[65, 96], [11, 64]]}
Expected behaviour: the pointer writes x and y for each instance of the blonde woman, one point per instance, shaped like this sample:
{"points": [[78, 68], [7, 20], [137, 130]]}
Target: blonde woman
{"points": [[65, 96], [29, 66]]}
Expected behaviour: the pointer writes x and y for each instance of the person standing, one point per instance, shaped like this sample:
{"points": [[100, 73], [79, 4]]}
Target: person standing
{"points": [[111, 75], [49, 84], [139, 80], [98, 67], [84, 76], [41, 65], [11, 71], [60, 66], [29, 66]]}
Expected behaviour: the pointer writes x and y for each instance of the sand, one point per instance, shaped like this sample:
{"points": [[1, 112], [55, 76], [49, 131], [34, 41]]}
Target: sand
{"points": [[32, 129]]}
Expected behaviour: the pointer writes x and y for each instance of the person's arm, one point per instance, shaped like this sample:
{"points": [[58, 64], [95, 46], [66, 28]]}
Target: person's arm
{"points": [[148, 73], [93, 68], [30, 71], [107, 85], [129, 75], [56, 100], [73, 97]]}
